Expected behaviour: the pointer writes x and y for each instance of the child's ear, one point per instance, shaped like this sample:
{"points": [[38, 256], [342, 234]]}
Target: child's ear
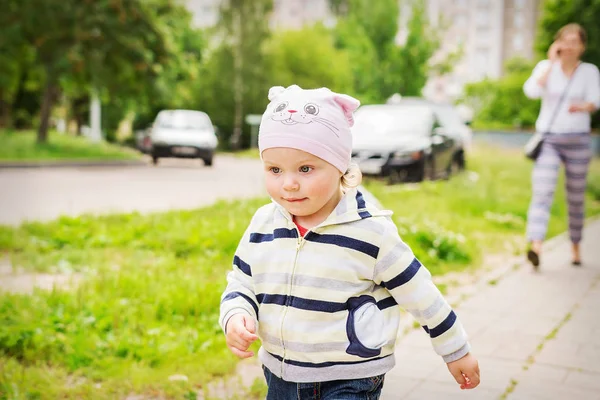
{"points": [[348, 104]]}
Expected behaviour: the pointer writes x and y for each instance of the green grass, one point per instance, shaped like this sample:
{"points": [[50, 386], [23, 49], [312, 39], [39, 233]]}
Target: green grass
{"points": [[146, 309], [246, 153], [147, 304], [21, 146], [451, 224]]}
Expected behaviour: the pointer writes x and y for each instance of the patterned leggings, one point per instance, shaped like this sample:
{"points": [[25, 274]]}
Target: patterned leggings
{"points": [[575, 152]]}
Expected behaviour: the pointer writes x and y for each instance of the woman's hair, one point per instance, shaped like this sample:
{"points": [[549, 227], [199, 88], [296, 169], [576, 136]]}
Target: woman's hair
{"points": [[352, 178], [572, 28]]}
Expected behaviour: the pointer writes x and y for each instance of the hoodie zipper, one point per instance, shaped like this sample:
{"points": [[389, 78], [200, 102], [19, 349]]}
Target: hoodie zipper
{"points": [[299, 245]]}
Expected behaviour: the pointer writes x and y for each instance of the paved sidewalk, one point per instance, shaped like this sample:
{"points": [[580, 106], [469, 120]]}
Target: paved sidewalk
{"points": [[536, 335]]}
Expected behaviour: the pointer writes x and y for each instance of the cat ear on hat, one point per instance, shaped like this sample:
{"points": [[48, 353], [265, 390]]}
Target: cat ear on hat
{"points": [[275, 91], [348, 104]]}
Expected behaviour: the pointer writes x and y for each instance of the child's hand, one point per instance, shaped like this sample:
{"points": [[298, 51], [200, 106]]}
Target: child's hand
{"points": [[465, 371], [241, 330]]}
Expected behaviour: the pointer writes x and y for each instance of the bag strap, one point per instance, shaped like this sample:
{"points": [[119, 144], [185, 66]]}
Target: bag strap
{"points": [[560, 101]]}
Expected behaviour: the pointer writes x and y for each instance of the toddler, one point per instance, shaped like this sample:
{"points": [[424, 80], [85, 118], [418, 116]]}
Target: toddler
{"points": [[320, 274]]}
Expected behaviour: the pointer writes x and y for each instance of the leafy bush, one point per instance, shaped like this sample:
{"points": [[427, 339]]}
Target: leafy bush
{"points": [[501, 104]]}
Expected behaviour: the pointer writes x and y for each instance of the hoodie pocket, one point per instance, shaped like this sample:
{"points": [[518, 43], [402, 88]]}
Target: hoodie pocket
{"points": [[365, 327]]}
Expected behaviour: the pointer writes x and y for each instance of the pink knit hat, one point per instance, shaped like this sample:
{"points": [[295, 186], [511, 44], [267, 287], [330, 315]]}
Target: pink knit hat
{"points": [[316, 121]]}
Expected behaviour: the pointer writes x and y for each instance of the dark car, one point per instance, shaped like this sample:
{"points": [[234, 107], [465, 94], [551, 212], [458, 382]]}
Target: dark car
{"points": [[405, 142], [452, 121]]}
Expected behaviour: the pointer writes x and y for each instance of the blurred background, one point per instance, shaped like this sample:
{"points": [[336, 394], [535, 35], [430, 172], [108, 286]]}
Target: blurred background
{"points": [[128, 173], [106, 68]]}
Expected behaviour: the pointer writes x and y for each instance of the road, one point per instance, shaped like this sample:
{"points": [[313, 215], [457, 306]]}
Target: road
{"points": [[47, 193]]}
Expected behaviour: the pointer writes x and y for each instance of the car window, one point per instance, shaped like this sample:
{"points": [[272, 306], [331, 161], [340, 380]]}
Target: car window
{"points": [[183, 120], [393, 120]]}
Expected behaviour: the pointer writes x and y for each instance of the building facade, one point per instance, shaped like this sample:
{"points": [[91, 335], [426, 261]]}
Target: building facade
{"points": [[488, 32], [291, 14]]}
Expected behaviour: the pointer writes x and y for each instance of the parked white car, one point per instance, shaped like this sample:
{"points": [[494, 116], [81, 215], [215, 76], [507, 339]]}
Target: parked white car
{"points": [[183, 134]]}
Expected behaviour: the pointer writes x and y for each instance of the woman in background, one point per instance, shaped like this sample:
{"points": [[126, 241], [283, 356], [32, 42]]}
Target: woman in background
{"points": [[570, 93]]}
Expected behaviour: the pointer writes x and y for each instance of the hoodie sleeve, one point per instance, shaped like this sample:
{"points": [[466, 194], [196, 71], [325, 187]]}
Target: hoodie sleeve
{"points": [[409, 282], [239, 296], [532, 88]]}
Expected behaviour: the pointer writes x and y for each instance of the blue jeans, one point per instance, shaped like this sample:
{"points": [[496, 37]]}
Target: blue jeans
{"points": [[351, 389]]}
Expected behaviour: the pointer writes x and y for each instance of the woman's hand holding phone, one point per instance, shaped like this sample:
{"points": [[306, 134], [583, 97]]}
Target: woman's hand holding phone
{"points": [[554, 52]]}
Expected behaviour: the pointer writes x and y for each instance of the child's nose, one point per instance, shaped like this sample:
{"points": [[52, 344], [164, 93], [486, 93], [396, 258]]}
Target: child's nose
{"points": [[292, 111], [290, 184]]}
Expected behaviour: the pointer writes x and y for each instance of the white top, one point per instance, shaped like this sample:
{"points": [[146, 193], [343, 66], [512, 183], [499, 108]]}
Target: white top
{"points": [[585, 87]]}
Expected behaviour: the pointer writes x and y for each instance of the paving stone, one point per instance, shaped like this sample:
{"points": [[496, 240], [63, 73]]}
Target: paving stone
{"points": [[570, 360], [506, 324], [398, 387], [584, 380], [532, 390], [416, 338], [496, 373], [570, 355], [436, 390], [416, 363], [543, 373], [532, 325], [577, 334], [477, 322], [485, 344], [517, 345]]}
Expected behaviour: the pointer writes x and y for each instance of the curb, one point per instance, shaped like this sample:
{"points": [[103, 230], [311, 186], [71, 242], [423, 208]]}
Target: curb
{"points": [[71, 164]]}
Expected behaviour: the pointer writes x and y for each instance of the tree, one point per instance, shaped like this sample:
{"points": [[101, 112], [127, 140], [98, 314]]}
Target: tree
{"points": [[93, 42], [243, 27], [501, 103], [16, 54], [316, 63], [140, 47], [367, 30], [407, 68], [363, 60], [20, 85], [378, 19], [176, 83]]}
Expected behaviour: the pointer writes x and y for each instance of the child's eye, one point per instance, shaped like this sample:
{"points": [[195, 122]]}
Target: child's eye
{"points": [[275, 170], [305, 169]]}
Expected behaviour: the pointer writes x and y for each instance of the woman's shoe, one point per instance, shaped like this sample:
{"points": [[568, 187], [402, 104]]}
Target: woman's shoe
{"points": [[576, 263], [534, 258]]}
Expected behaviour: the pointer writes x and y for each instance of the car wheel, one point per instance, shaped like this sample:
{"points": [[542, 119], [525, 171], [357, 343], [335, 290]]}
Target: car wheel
{"points": [[420, 172], [397, 176], [208, 161], [428, 169], [449, 170], [459, 160]]}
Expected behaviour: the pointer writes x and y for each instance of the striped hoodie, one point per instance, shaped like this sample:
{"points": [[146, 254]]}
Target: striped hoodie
{"points": [[327, 305]]}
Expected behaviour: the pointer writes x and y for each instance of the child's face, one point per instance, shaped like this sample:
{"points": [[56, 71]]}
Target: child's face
{"points": [[305, 185]]}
